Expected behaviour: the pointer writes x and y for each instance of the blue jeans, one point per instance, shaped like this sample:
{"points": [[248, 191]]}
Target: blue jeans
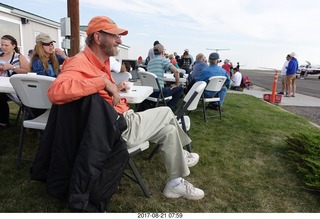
{"points": [[222, 93], [176, 94]]}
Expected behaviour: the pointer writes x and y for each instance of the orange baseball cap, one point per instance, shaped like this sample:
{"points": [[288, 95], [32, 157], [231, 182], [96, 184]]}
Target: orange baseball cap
{"points": [[105, 24]]}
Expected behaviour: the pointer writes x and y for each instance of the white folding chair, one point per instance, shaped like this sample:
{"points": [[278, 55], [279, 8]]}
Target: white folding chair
{"points": [[122, 76], [32, 91], [215, 84], [150, 79], [137, 177], [189, 103]]}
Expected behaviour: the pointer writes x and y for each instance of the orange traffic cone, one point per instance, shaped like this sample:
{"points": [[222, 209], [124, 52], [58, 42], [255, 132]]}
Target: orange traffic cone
{"points": [[274, 88]]}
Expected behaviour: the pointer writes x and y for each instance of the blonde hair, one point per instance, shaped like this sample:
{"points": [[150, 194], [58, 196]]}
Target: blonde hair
{"points": [[39, 53]]}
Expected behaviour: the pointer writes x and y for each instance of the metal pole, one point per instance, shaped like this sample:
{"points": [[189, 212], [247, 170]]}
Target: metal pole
{"points": [[73, 13]]}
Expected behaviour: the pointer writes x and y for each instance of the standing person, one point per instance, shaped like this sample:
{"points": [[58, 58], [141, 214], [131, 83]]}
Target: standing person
{"points": [[284, 75], [215, 70], [227, 65], [11, 62], [88, 73], [151, 54], [159, 65], [186, 62], [291, 75], [46, 59]]}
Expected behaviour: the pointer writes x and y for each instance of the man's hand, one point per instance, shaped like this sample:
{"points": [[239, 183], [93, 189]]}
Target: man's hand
{"points": [[112, 89]]}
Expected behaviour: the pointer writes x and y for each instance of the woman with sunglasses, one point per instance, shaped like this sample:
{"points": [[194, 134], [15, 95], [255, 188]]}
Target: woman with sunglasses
{"points": [[11, 62], [46, 59]]}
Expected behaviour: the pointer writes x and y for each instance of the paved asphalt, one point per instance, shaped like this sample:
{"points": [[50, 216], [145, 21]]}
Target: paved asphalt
{"points": [[308, 93], [309, 86]]}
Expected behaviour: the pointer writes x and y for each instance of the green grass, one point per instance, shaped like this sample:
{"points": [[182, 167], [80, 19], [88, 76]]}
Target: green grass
{"points": [[243, 167]]}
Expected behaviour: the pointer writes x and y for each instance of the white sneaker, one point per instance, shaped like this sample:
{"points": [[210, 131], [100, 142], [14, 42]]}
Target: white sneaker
{"points": [[191, 158], [184, 189]]}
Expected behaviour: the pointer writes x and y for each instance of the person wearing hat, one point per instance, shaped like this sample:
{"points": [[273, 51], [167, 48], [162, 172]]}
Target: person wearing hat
{"points": [[291, 76], [215, 70], [88, 73], [186, 61], [159, 65], [46, 59]]}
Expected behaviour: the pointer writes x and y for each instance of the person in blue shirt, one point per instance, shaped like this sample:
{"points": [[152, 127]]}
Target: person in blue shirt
{"points": [[214, 70], [46, 59], [291, 75], [199, 65]]}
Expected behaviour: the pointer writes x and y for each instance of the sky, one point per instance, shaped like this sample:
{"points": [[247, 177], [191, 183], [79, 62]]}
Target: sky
{"points": [[256, 33]]}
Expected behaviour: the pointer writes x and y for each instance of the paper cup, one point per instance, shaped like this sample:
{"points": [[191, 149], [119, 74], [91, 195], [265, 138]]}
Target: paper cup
{"points": [[128, 86]]}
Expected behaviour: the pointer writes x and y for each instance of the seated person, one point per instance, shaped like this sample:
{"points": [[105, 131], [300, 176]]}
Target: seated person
{"points": [[88, 73], [46, 59], [236, 79], [215, 70], [11, 62], [127, 66], [199, 65], [158, 66]]}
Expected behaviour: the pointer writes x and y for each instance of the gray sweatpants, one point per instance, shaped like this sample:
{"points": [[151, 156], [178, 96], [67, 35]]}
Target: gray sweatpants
{"points": [[159, 125]]}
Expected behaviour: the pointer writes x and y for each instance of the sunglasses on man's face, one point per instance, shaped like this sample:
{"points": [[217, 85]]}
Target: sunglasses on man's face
{"points": [[47, 44]]}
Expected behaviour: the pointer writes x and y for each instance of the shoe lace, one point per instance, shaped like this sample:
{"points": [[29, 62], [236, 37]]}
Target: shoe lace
{"points": [[189, 187], [187, 154]]}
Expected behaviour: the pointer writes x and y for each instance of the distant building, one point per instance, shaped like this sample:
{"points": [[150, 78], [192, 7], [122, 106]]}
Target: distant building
{"points": [[25, 26]]}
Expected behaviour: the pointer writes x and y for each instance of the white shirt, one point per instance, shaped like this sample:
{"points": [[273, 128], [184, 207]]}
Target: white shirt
{"points": [[236, 79], [115, 66], [284, 68]]}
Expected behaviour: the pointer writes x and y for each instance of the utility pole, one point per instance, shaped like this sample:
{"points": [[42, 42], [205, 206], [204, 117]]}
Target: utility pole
{"points": [[73, 14]]}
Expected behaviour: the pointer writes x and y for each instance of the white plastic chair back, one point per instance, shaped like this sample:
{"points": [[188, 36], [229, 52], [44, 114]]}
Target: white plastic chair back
{"points": [[149, 79], [198, 87], [141, 69], [122, 76], [216, 83], [32, 89]]}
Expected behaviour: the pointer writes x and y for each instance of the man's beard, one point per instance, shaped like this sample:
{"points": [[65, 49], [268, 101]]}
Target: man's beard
{"points": [[109, 49]]}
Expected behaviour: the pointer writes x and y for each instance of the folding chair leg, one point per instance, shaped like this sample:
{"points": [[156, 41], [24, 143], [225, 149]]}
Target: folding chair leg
{"points": [[189, 146], [204, 111], [18, 116], [21, 139], [138, 178], [153, 152]]}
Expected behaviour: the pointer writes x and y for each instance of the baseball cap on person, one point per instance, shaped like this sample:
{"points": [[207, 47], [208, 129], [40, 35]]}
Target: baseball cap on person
{"points": [[105, 24], [214, 56], [292, 54], [44, 38], [158, 48], [156, 42]]}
